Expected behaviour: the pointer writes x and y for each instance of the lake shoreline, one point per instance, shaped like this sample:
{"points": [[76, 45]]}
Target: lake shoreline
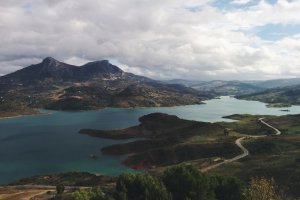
{"points": [[96, 109], [25, 115], [51, 144]]}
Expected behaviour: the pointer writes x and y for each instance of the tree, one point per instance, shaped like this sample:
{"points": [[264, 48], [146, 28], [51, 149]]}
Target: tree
{"points": [[226, 132], [81, 195], [140, 187], [95, 193], [262, 189], [187, 182], [60, 188], [227, 188]]}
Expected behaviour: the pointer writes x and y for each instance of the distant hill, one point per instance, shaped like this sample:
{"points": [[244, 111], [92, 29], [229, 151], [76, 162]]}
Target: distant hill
{"points": [[280, 97], [56, 85], [275, 83], [220, 87], [188, 83], [227, 87]]}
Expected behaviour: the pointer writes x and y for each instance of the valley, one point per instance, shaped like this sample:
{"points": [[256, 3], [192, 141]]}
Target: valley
{"points": [[102, 122], [150, 100]]}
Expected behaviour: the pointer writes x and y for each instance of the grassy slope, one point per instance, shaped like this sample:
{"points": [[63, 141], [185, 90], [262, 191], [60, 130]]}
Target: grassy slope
{"points": [[170, 140], [277, 157]]}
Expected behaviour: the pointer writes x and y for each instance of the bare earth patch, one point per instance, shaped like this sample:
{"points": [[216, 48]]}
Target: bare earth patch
{"points": [[22, 194]]}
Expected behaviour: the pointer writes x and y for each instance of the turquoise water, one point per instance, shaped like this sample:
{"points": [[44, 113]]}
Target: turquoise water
{"points": [[44, 144]]}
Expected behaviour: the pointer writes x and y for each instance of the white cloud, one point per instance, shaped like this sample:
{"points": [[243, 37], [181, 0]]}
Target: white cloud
{"points": [[160, 39], [282, 12], [240, 2], [77, 61]]}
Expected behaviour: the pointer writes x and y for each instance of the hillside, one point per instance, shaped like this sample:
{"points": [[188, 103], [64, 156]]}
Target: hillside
{"points": [[221, 87], [236, 87], [271, 157], [281, 97], [166, 140], [275, 83], [56, 85]]}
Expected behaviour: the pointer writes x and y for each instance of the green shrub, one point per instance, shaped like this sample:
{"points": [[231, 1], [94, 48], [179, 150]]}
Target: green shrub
{"points": [[227, 188], [187, 182], [81, 195], [94, 194], [140, 187], [261, 188]]}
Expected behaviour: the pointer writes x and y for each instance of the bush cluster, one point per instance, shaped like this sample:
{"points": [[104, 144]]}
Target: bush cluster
{"points": [[183, 182]]}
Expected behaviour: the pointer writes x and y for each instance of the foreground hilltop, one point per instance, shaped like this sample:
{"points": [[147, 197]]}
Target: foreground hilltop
{"points": [[251, 146], [56, 85], [165, 140]]}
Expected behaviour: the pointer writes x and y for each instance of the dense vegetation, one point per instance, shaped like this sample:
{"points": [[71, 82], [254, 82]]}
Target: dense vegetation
{"points": [[183, 182]]}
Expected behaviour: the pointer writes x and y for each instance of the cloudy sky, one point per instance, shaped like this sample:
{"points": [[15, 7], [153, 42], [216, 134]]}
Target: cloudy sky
{"points": [[162, 39]]}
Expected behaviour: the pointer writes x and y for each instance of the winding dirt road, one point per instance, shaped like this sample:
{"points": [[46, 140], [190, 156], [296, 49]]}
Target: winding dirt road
{"points": [[238, 142]]}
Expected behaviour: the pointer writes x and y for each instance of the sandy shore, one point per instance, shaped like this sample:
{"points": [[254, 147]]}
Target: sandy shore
{"points": [[16, 116]]}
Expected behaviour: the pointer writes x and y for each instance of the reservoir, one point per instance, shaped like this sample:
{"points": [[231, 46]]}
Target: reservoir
{"points": [[45, 144]]}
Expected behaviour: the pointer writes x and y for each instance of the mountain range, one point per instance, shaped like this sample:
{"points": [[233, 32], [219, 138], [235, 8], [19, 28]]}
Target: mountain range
{"points": [[238, 87], [52, 84], [276, 97], [55, 85]]}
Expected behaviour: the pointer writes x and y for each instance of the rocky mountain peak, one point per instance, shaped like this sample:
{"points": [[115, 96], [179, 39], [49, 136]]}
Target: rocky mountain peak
{"points": [[49, 61], [51, 69], [103, 66]]}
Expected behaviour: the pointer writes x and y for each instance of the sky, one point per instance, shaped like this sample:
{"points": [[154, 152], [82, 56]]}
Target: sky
{"points": [[161, 39]]}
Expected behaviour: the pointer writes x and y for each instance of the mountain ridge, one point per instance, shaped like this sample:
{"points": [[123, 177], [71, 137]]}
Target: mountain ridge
{"points": [[236, 87], [56, 85], [276, 97], [59, 71]]}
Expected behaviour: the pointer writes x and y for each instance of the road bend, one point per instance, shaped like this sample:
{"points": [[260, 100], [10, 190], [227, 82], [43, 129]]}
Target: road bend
{"points": [[245, 151]]}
